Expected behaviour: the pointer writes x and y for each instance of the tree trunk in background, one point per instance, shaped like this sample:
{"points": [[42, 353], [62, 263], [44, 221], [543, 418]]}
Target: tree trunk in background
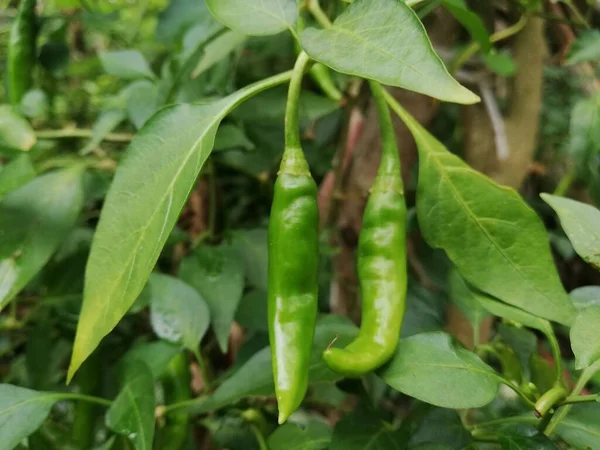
{"points": [[360, 175], [522, 124]]}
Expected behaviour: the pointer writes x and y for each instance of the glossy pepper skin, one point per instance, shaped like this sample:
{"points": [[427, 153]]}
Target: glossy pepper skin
{"points": [[381, 263], [293, 263], [177, 388], [22, 51]]}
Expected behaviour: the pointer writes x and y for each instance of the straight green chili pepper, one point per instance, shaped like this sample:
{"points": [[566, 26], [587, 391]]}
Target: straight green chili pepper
{"points": [[293, 262], [22, 51], [176, 384], [381, 262]]}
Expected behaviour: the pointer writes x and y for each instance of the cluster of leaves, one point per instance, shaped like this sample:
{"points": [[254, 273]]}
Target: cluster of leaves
{"points": [[158, 296]]}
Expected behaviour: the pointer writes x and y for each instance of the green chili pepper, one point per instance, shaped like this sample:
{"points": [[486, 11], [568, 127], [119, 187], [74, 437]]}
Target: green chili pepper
{"points": [[381, 262], [176, 384], [293, 262], [22, 51]]}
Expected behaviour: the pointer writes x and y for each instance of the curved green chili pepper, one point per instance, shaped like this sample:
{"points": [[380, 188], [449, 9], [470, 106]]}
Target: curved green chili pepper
{"points": [[381, 262], [293, 262], [176, 384], [22, 51]]}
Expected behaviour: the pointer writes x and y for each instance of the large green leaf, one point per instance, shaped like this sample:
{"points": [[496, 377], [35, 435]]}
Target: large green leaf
{"points": [[34, 221], [178, 313], [255, 17], [581, 427], [217, 273], [440, 426], [132, 412], [581, 222], [255, 377], [315, 436], [15, 174], [150, 188], [584, 337], [15, 131], [22, 411], [494, 238], [384, 40], [432, 368], [363, 430]]}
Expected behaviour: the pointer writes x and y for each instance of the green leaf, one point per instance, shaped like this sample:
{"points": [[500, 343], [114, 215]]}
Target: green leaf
{"points": [[22, 411], [217, 50], [584, 337], [217, 273], [252, 311], [35, 104], [471, 21], [581, 427], [106, 122], [255, 17], [581, 222], [178, 313], [462, 297], [585, 296], [585, 48], [128, 64], [433, 369], [231, 136], [359, 44], [425, 311], [584, 134], [255, 377], [442, 427], [132, 412], [502, 309], [363, 430], [315, 435], [537, 442], [15, 131], [156, 355], [494, 238], [142, 101], [269, 107], [143, 204], [501, 63], [252, 247], [34, 221], [15, 174]]}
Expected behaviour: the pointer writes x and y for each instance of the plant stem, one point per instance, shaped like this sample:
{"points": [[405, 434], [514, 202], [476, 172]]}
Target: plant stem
{"points": [[315, 9], [517, 389], [259, 437], [565, 182], [555, 348], [212, 199], [207, 376], [67, 133], [577, 14], [474, 47], [83, 398], [585, 376], [506, 420], [580, 399], [292, 126], [547, 401]]}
